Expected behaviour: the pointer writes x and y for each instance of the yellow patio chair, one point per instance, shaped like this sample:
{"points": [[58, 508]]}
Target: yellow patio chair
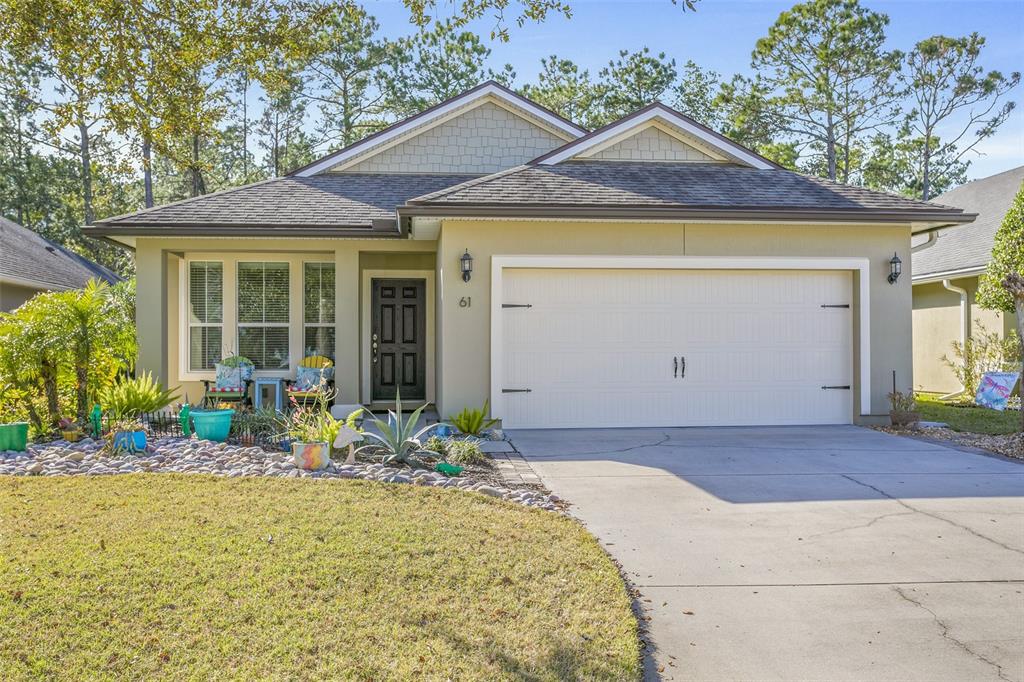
{"points": [[314, 375]]}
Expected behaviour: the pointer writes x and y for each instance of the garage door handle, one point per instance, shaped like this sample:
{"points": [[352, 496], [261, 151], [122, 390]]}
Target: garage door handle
{"points": [[836, 388], [682, 367], [675, 367]]}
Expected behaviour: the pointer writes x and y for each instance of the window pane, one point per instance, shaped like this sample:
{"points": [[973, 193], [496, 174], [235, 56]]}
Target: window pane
{"points": [[319, 341], [267, 347], [318, 293], [206, 291], [204, 347], [263, 292]]}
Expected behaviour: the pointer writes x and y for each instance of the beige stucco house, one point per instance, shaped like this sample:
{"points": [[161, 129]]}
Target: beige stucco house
{"points": [[651, 272], [30, 264], [946, 267]]}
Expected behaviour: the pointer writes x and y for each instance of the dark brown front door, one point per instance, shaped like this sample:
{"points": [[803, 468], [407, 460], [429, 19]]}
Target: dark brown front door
{"points": [[398, 329]]}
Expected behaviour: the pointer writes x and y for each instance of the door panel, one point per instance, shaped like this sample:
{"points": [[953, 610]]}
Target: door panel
{"points": [[398, 338], [676, 347]]}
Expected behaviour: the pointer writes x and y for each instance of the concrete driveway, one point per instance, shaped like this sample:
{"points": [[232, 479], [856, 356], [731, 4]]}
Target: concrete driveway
{"points": [[804, 553]]}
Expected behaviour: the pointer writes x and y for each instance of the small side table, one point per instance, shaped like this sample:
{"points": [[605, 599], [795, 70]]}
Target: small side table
{"points": [[269, 391]]}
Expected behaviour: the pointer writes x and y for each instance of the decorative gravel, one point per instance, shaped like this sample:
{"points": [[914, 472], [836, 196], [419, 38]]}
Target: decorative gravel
{"points": [[189, 456], [1009, 445]]}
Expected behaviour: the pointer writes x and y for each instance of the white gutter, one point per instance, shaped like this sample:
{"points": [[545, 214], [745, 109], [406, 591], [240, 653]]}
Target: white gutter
{"points": [[933, 236], [965, 321], [948, 274]]}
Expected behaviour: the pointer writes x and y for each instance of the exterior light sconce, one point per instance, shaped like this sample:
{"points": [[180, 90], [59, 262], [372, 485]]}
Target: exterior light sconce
{"points": [[895, 268], [466, 265]]}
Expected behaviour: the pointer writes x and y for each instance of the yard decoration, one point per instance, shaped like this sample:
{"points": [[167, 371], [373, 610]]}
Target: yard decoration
{"points": [[448, 469], [995, 388], [127, 437], [212, 424], [348, 437], [311, 456], [14, 436], [69, 430], [184, 416], [96, 419]]}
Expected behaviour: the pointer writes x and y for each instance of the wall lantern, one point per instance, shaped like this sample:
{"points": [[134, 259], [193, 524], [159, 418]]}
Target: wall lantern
{"points": [[895, 269], [466, 264]]}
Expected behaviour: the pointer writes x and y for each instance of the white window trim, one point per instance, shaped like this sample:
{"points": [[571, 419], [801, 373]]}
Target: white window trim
{"points": [[229, 337], [319, 325], [860, 265]]}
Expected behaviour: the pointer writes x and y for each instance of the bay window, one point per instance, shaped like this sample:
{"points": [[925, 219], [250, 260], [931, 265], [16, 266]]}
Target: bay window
{"points": [[263, 314], [318, 309]]}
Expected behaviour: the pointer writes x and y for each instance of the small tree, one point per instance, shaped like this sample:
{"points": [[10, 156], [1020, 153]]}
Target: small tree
{"points": [[1002, 285]]}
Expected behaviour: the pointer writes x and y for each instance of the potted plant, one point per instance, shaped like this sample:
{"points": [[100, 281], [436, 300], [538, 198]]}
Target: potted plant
{"points": [[309, 430], [903, 410], [212, 424], [127, 436], [69, 430]]}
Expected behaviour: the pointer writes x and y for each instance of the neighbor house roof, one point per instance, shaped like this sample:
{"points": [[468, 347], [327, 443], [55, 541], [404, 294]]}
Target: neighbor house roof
{"points": [[29, 260], [321, 205], [969, 249], [644, 189]]}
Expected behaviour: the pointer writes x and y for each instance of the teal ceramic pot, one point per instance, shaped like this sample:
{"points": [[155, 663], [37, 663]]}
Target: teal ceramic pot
{"points": [[212, 424], [129, 441]]}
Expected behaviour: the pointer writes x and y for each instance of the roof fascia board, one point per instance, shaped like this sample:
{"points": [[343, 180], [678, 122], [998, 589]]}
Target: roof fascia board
{"points": [[699, 145], [430, 116], [206, 230], [930, 277], [723, 145], [33, 283]]}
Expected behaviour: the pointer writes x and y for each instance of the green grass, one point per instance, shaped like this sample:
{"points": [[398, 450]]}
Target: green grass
{"points": [[967, 419], [188, 577]]}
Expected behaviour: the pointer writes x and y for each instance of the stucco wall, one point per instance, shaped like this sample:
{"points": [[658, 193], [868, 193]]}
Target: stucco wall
{"points": [[652, 144], [464, 354], [13, 295], [485, 139], [158, 314], [936, 325]]}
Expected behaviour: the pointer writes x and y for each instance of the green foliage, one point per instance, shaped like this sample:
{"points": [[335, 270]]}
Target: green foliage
{"points": [[397, 440], [464, 451], [264, 422], [984, 351], [354, 420], [312, 421], [472, 421], [1007, 258], [128, 398]]}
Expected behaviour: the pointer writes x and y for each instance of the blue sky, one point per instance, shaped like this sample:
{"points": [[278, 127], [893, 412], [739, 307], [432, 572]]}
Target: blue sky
{"points": [[721, 34]]}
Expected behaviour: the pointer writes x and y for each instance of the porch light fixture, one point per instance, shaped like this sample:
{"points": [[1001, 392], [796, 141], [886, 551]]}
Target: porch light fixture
{"points": [[895, 269], [466, 264]]}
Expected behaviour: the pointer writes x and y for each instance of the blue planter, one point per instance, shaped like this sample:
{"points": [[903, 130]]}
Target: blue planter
{"points": [[129, 441], [212, 424]]}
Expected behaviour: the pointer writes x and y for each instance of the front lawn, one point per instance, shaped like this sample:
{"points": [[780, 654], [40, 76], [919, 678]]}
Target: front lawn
{"points": [[170, 576], [966, 418]]}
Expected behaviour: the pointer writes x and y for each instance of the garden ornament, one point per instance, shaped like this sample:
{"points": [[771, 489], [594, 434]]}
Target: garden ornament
{"points": [[348, 436], [183, 419], [96, 418]]}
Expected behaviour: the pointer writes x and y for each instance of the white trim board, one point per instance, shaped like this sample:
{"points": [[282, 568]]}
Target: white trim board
{"points": [[436, 116], [666, 115], [860, 265], [366, 303]]}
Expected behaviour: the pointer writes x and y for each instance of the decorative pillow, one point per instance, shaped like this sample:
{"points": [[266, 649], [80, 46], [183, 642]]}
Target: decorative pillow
{"points": [[228, 378], [308, 378]]}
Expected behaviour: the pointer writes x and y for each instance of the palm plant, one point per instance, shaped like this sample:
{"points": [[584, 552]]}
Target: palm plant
{"points": [[472, 421], [398, 440]]}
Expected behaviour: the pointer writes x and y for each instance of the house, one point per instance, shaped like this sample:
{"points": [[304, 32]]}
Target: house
{"points": [[651, 272], [30, 264], [946, 267]]}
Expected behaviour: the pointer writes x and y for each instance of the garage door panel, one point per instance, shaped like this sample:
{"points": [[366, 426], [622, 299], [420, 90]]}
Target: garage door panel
{"points": [[597, 347]]}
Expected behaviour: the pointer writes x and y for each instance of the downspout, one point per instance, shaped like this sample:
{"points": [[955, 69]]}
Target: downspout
{"points": [[965, 321], [933, 236]]}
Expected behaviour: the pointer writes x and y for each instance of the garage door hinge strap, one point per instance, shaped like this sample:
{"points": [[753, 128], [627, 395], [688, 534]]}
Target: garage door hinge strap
{"points": [[517, 390], [516, 305], [835, 305], [837, 388]]}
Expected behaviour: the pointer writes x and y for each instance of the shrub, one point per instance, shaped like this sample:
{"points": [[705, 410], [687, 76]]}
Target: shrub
{"points": [[983, 352], [464, 451], [902, 402], [473, 421], [128, 398]]}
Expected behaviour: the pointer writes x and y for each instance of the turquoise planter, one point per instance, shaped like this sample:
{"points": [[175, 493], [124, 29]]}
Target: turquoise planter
{"points": [[212, 424], [14, 436]]}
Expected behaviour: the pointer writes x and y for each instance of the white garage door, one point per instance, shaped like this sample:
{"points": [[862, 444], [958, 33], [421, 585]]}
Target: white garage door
{"points": [[602, 348]]}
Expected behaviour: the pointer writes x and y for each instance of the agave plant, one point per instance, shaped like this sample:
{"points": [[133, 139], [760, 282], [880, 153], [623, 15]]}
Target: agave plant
{"points": [[398, 439]]}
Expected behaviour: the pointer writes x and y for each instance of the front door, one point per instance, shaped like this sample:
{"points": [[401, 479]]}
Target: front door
{"points": [[398, 330]]}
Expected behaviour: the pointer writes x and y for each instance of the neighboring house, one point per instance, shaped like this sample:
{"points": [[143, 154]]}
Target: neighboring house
{"points": [[648, 273], [30, 264], [946, 266]]}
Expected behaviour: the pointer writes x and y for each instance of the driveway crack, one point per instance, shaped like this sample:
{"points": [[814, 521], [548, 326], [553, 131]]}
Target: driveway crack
{"points": [[945, 632], [639, 446], [860, 525], [933, 515]]}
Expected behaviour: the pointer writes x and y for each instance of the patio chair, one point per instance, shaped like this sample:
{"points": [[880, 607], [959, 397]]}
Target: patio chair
{"points": [[233, 379], [314, 377]]}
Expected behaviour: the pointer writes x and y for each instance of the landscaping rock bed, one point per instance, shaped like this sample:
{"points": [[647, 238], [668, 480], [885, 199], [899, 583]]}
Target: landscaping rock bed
{"points": [[1009, 445], [181, 455]]}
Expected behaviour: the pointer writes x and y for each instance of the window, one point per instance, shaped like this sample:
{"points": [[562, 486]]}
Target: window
{"points": [[205, 314], [318, 309], [263, 314]]}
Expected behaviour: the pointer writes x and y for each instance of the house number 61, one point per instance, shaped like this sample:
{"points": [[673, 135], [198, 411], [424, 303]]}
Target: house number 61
{"points": [[465, 301]]}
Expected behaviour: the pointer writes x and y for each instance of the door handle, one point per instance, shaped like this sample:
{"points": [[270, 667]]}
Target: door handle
{"points": [[675, 367], [682, 363]]}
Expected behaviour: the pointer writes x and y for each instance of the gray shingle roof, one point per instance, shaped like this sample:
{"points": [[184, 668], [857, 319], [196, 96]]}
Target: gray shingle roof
{"points": [[970, 246], [338, 201], [669, 185], [27, 258]]}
